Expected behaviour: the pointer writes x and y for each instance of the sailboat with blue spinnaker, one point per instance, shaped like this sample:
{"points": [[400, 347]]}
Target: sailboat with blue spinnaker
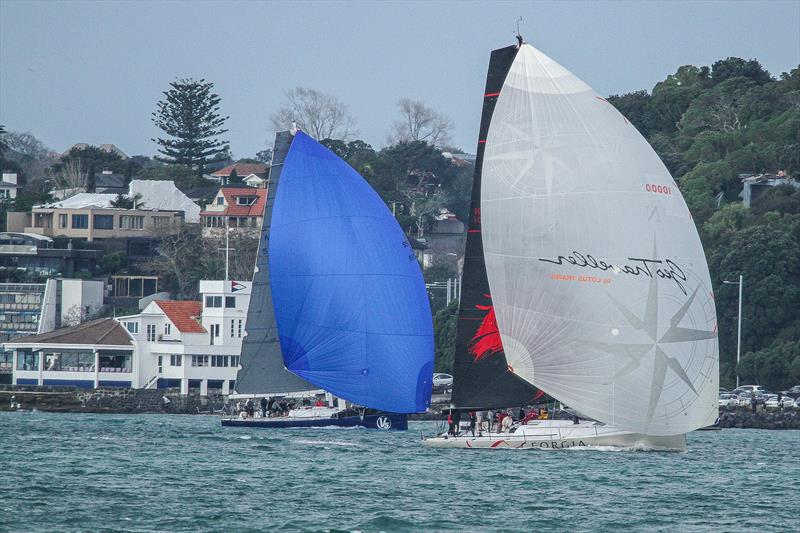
{"points": [[339, 304]]}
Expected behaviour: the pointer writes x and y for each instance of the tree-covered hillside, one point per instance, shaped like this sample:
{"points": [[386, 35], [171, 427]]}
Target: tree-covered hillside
{"points": [[709, 125]]}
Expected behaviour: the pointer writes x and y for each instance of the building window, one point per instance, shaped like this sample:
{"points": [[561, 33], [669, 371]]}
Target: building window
{"points": [[116, 362], [131, 222], [213, 301], [151, 332], [80, 221], [231, 328], [234, 360], [245, 200], [160, 364], [167, 329], [160, 222], [239, 331], [132, 327], [219, 360], [230, 302], [27, 360], [175, 360], [103, 221], [220, 200], [215, 329], [62, 220], [199, 360]]}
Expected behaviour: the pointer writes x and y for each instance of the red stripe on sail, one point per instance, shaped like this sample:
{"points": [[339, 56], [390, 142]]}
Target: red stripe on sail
{"points": [[486, 340], [489, 95]]}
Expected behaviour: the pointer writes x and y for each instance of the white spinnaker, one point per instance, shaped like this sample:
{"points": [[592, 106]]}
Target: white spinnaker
{"points": [[576, 210]]}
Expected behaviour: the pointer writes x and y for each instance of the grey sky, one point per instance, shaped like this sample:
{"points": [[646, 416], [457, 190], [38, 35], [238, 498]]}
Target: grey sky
{"points": [[93, 71]]}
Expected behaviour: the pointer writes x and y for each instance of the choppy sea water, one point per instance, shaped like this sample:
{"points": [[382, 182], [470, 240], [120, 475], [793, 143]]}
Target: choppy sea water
{"points": [[79, 472]]}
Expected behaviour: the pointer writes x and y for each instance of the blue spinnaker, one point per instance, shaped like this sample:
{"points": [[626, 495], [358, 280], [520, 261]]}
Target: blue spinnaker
{"points": [[350, 302]]}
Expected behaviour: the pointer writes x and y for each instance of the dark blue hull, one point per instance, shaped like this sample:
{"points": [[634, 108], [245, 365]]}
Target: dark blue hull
{"points": [[382, 421]]}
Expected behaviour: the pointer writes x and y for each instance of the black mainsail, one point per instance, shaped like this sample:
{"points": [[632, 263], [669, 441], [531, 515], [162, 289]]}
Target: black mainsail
{"points": [[482, 378], [263, 371]]}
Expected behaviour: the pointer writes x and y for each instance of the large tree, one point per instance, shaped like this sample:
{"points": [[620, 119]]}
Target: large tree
{"points": [[318, 114], [418, 122], [189, 115]]}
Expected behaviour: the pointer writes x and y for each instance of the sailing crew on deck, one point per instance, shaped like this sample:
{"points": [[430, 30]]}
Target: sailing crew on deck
{"points": [[264, 407], [489, 420], [506, 423], [450, 425], [473, 419], [249, 408]]}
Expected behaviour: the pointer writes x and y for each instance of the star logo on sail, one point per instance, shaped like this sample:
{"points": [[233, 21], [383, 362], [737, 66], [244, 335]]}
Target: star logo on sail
{"points": [[656, 344]]}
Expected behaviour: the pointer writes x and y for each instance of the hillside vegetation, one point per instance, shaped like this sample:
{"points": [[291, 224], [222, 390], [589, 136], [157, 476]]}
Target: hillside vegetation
{"points": [[709, 125]]}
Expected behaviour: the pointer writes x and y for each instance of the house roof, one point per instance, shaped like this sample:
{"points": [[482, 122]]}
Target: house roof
{"points": [[242, 170], [201, 193], [184, 314], [106, 331], [234, 210], [109, 180]]}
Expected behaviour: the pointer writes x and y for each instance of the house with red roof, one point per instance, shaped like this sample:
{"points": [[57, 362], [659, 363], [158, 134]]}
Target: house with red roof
{"points": [[237, 208], [252, 173], [192, 345]]}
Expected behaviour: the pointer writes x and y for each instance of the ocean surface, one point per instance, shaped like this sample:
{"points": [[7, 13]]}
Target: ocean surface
{"points": [[80, 472]]}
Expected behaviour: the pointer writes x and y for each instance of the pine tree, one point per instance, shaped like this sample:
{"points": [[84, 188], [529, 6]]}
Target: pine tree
{"points": [[189, 115]]}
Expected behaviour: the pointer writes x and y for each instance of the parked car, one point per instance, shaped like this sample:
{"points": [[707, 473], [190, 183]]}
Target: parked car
{"points": [[747, 388], [726, 398], [723, 390], [794, 392], [442, 381], [745, 397], [787, 401]]}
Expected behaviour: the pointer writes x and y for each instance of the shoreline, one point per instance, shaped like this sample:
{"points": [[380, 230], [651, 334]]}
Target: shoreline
{"points": [[170, 401]]}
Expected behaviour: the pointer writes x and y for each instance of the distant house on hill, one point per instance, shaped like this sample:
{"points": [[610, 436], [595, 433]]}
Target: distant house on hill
{"points": [[444, 241], [755, 186], [108, 148], [9, 186], [241, 170], [256, 181]]}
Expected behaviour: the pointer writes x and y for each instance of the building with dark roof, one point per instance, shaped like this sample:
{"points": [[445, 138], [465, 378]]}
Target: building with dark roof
{"points": [[28, 257], [243, 170], [98, 353]]}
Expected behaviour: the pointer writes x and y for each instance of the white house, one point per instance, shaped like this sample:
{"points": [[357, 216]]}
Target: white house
{"points": [[187, 344]]}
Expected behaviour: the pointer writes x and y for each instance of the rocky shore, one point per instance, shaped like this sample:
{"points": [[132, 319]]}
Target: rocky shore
{"points": [[108, 400], [113, 400], [769, 418]]}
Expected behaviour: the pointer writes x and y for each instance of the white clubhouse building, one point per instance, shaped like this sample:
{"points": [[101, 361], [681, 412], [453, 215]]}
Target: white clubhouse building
{"points": [[194, 346]]}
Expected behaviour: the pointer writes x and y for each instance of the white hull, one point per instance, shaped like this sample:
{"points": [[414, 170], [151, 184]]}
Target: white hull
{"points": [[560, 434]]}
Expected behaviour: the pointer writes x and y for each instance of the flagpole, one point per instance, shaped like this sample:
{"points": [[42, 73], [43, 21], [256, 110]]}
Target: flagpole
{"points": [[227, 245]]}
